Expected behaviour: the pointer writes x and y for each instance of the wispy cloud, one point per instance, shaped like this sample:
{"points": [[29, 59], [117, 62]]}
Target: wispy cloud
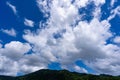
{"points": [[112, 2], [10, 32], [114, 12], [28, 22], [12, 7]]}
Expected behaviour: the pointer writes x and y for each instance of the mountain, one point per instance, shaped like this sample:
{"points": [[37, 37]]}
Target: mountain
{"points": [[46, 74], [7, 78]]}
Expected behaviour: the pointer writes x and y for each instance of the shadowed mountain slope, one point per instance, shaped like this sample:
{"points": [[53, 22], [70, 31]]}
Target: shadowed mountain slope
{"points": [[46, 74]]}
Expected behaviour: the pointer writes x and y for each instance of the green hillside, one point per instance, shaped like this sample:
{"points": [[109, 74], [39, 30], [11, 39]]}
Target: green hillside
{"points": [[60, 75]]}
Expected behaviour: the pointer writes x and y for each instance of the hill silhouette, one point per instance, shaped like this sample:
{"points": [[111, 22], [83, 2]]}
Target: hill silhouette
{"points": [[46, 74]]}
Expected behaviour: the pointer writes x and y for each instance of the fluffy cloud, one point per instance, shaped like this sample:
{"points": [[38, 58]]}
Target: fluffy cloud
{"points": [[15, 48], [10, 55], [12, 7], [10, 32], [117, 39], [33, 62], [81, 3], [76, 39], [8, 66], [28, 22], [86, 41]]}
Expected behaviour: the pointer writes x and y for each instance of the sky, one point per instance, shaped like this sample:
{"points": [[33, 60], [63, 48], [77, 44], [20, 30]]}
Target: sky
{"points": [[77, 35]]}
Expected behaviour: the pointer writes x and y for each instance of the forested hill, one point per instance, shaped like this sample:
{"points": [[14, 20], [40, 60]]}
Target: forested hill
{"points": [[46, 74]]}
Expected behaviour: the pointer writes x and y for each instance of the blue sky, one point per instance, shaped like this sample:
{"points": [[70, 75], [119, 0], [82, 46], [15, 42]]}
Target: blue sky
{"points": [[77, 35]]}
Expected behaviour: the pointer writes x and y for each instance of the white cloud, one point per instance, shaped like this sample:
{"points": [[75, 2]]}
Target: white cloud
{"points": [[10, 56], [12, 7], [33, 62], [112, 2], [79, 69], [28, 22], [86, 41], [81, 3], [44, 6], [10, 32], [114, 12], [117, 39], [99, 2], [8, 66], [15, 48]]}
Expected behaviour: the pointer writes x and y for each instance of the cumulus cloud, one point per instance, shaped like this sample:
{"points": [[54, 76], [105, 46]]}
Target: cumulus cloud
{"points": [[66, 49], [15, 50], [78, 40], [117, 39], [12, 7], [8, 66], [33, 62], [10, 32], [28, 22], [5, 64], [10, 55], [81, 3], [86, 41]]}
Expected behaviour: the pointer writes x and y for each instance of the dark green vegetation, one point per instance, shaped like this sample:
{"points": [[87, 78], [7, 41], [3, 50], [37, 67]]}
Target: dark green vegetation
{"points": [[7, 78], [60, 75]]}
